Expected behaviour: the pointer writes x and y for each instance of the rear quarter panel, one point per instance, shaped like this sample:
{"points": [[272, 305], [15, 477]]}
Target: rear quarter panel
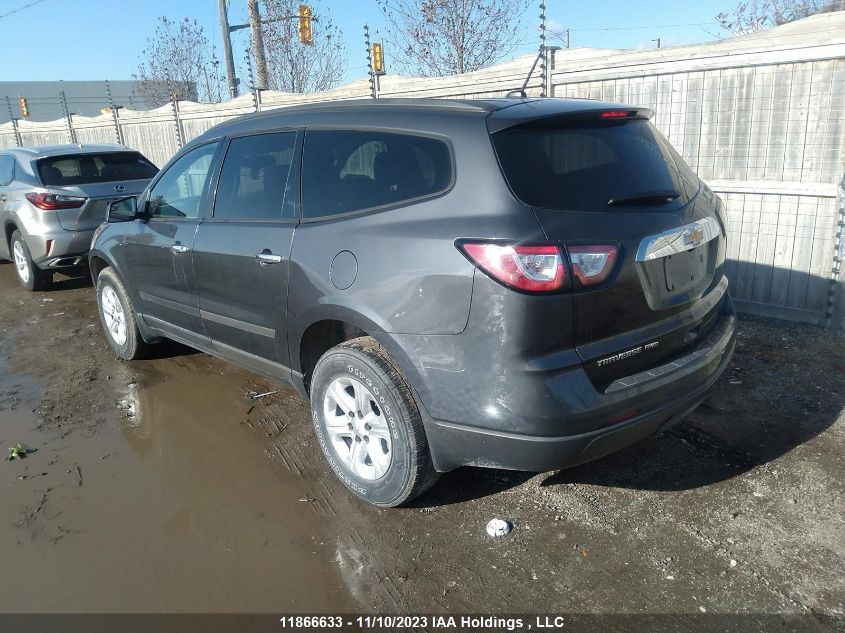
{"points": [[410, 277]]}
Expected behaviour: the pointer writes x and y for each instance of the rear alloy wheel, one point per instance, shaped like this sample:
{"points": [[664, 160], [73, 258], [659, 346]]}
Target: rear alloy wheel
{"points": [[118, 317], [368, 424], [30, 276], [357, 428]]}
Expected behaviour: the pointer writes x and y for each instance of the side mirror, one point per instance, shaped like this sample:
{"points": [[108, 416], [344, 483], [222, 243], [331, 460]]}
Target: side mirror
{"points": [[123, 209]]}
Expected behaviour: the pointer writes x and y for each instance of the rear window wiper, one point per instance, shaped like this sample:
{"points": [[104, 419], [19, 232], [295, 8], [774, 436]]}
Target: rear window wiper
{"points": [[646, 197]]}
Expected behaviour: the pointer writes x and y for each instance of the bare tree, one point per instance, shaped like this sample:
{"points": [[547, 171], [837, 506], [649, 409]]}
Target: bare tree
{"points": [[433, 38], [296, 67], [750, 16], [178, 57]]}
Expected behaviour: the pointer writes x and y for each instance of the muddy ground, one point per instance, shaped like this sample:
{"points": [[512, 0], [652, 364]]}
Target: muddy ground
{"points": [[160, 486]]}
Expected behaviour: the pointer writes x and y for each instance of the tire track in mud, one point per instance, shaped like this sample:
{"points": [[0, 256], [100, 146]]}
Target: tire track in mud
{"points": [[330, 501]]}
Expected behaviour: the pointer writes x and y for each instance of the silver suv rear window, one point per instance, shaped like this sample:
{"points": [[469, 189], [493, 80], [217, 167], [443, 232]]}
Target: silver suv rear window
{"points": [[80, 169]]}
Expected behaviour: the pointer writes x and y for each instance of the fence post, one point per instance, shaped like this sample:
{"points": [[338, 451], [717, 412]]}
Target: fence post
{"points": [[836, 295], [117, 131], [68, 117], [544, 78], [14, 121], [373, 86], [254, 90], [174, 107]]}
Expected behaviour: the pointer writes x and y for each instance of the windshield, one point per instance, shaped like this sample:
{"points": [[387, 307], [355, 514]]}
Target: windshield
{"points": [[80, 169], [593, 166]]}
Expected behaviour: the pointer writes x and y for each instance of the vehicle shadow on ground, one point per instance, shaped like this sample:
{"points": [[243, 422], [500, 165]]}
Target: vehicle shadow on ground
{"points": [[468, 484], [169, 349], [708, 447], [702, 450], [70, 282]]}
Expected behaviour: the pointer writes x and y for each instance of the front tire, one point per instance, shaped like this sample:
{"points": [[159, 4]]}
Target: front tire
{"points": [[30, 276], [369, 426], [118, 317]]}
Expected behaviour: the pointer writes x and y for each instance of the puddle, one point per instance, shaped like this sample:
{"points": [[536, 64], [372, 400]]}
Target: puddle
{"points": [[169, 507]]}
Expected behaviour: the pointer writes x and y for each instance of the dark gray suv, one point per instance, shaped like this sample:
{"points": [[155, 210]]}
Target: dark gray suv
{"points": [[511, 283]]}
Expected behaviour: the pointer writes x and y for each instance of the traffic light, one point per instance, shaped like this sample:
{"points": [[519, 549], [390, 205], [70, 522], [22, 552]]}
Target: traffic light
{"points": [[378, 58], [24, 107], [305, 34]]}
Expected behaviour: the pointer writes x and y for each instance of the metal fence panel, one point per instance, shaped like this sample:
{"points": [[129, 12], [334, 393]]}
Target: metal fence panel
{"points": [[760, 118]]}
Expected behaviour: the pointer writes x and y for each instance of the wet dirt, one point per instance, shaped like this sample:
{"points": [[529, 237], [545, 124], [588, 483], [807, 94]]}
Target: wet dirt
{"points": [[161, 486]]}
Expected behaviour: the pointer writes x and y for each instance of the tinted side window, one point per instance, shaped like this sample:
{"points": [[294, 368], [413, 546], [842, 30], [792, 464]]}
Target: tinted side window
{"points": [[254, 178], [346, 171], [179, 191], [7, 170]]}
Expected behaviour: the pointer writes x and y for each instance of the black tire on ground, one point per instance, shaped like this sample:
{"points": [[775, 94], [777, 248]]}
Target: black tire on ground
{"points": [[32, 278], [133, 347], [410, 472]]}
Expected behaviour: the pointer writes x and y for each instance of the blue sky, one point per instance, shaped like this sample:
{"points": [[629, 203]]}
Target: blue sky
{"points": [[98, 39]]}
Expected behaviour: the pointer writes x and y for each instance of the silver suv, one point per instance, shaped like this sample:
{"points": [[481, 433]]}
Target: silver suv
{"points": [[53, 197]]}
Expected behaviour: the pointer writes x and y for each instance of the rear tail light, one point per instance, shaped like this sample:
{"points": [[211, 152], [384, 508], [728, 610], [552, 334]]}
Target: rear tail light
{"points": [[51, 202], [530, 268], [591, 265], [541, 268]]}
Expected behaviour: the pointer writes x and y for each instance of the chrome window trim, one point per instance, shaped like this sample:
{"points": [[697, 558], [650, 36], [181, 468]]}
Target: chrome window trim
{"points": [[678, 240]]}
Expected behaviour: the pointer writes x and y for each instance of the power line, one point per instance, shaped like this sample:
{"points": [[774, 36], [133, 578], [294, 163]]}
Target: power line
{"points": [[21, 8]]}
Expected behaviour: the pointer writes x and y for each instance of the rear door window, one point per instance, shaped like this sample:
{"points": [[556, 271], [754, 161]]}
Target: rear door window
{"points": [[583, 166], [80, 169], [350, 170], [254, 179]]}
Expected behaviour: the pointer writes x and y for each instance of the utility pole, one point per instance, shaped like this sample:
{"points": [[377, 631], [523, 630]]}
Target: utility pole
{"points": [[257, 45], [657, 40], [227, 49]]}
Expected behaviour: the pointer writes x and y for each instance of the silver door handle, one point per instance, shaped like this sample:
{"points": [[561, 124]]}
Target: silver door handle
{"points": [[268, 258], [179, 248]]}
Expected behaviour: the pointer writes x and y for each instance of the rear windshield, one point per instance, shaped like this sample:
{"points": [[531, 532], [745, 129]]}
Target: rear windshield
{"points": [[79, 169], [590, 166]]}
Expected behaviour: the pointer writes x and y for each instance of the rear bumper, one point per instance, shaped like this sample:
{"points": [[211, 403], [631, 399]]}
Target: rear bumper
{"points": [[659, 398], [60, 249]]}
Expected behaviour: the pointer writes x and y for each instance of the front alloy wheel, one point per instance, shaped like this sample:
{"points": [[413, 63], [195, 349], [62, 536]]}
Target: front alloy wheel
{"points": [[118, 317], [113, 316]]}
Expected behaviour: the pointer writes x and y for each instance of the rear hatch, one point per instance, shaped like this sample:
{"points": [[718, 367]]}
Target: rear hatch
{"points": [[85, 183], [607, 178]]}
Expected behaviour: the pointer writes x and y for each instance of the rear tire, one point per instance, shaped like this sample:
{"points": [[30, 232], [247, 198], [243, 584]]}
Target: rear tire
{"points": [[368, 424], [30, 276], [117, 314]]}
